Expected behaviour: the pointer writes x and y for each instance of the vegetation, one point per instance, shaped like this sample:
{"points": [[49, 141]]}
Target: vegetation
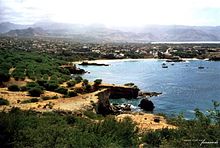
{"points": [[72, 94], [98, 81], [78, 79], [129, 84], [32, 100], [4, 101], [32, 65], [71, 83], [13, 88], [31, 129], [35, 92], [62, 90], [190, 133]]}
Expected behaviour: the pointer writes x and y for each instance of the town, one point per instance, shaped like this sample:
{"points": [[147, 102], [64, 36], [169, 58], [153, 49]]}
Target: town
{"points": [[92, 51]]}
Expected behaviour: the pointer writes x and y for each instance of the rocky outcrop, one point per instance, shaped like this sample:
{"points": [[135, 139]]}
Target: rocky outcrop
{"points": [[149, 94], [117, 92], [146, 105], [103, 106], [214, 58], [73, 69], [92, 64]]}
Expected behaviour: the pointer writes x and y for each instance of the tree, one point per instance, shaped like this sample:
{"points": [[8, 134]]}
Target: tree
{"points": [[4, 101], [98, 81], [35, 92], [13, 88]]}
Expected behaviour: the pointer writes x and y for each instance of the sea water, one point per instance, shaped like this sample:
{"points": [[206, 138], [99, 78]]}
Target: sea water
{"points": [[183, 85]]}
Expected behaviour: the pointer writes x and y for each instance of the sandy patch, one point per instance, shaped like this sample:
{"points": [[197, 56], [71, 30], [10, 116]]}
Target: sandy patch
{"points": [[147, 122]]}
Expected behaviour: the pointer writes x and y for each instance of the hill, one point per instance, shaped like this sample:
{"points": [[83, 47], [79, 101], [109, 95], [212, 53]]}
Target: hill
{"points": [[100, 33]]}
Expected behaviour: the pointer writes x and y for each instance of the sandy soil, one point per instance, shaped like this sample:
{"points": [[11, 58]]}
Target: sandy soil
{"points": [[147, 122]]}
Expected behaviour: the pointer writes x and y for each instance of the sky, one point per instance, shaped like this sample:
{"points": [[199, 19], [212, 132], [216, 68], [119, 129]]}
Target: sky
{"points": [[113, 12]]}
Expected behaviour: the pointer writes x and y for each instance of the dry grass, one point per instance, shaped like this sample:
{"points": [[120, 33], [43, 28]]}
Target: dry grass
{"points": [[147, 122]]}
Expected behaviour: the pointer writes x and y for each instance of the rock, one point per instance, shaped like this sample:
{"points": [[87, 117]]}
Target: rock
{"points": [[73, 69], [118, 92], [214, 58], [146, 105], [92, 64], [149, 94], [127, 107], [157, 119]]}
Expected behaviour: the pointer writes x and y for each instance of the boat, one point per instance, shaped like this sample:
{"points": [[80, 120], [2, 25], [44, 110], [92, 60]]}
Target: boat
{"points": [[201, 67], [164, 65]]}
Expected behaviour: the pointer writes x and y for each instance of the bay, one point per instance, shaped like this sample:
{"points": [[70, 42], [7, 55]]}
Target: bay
{"points": [[183, 85]]}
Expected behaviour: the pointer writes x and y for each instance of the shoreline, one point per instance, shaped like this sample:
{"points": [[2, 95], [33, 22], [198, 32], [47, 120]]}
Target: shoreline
{"points": [[135, 60]]}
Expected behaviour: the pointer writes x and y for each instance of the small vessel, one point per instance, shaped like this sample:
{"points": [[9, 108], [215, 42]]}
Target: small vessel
{"points": [[201, 67], [164, 65]]}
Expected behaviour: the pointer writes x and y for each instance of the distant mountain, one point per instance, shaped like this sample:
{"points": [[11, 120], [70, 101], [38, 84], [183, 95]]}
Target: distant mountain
{"points": [[7, 26], [99, 32], [29, 32]]}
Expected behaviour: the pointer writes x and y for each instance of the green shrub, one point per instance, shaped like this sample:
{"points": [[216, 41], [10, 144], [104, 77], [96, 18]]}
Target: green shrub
{"points": [[32, 129], [85, 82], [23, 88], [45, 98], [71, 83], [129, 84], [4, 76], [61, 90], [72, 94], [35, 92], [32, 85], [51, 85], [4, 101], [32, 100], [78, 79], [55, 97], [13, 88], [98, 81]]}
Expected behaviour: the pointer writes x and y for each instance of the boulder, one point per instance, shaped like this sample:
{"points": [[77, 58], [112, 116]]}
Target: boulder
{"points": [[146, 105]]}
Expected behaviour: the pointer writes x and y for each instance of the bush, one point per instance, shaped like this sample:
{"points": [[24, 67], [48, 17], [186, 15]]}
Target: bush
{"points": [[4, 77], [87, 88], [23, 88], [71, 83], [129, 84], [78, 79], [13, 88], [4, 101], [32, 129], [55, 97], [32, 100], [51, 85], [45, 98], [61, 90], [72, 94], [35, 92], [85, 82], [98, 81], [32, 85]]}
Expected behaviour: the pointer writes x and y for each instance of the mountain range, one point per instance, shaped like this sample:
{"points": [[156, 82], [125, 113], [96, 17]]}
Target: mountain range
{"points": [[100, 33]]}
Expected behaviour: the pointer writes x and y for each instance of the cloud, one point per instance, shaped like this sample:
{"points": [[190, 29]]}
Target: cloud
{"points": [[113, 12]]}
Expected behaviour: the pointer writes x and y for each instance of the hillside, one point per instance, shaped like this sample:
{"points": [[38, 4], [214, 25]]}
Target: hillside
{"points": [[100, 33]]}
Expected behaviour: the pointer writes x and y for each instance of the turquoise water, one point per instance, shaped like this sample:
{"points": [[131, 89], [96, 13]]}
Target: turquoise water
{"points": [[184, 86]]}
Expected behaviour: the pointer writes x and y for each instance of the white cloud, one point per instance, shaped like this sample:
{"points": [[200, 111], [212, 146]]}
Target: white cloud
{"points": [[114, 12]]}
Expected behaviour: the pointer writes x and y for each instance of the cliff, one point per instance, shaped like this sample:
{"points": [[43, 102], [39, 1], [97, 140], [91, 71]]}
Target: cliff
{"points": [[117, 91]]}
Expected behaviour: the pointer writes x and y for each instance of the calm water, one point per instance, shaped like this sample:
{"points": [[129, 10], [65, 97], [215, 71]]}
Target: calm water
{"points": [[184, 86]]}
